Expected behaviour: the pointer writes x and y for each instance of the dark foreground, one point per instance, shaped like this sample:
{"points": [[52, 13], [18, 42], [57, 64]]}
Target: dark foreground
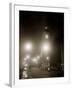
{"points": [[36, 72]]}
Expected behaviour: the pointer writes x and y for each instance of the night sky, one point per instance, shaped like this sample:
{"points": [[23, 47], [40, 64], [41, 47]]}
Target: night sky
{"points": [[31, 28], [32, 24]]}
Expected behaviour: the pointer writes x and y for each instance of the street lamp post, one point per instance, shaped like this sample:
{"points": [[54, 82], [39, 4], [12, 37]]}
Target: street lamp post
{"points": [[45, 49], [27, 57]]}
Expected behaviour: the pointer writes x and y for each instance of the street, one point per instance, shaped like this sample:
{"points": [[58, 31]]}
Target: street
{"points": [[39, 73]]}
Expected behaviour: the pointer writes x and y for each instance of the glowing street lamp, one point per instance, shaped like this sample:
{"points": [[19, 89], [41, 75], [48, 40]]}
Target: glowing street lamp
{"points": [[48, 58], [34, 60], [28, 46], [46, 36], [46, 47], [25, 68], [48, 69], [46, 27]]}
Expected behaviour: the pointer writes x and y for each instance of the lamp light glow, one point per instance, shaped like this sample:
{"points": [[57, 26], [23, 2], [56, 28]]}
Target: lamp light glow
{"points": [[38, 57], [25, 59], [35, 60], [25, 75], [25, 68], [48, 69], [46, 36], [28, 56], [46, 47], [46, 27], [26, 65], [47, 57], [28, 46]]}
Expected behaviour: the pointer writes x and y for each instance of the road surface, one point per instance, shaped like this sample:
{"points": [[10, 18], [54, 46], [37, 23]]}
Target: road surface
{"points": [[36, 72]]}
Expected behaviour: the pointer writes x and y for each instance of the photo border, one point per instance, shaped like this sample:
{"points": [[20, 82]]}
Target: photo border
{"points": [[14, 44]]}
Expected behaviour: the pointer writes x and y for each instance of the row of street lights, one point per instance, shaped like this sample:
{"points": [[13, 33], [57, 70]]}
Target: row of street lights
{"points": [[45, 49]]}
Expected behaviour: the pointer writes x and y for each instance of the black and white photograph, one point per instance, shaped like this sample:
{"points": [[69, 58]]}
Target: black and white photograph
{"points": [[41, 44]]}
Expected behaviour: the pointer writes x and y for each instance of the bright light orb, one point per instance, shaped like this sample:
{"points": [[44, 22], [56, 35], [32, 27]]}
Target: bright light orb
{"points": [[25, 68], [46, 47], [46, 36], [48, 69], [47, 57], [46, 27], [28, 46]]}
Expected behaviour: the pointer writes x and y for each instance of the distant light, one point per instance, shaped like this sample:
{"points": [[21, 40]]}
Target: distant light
{"points": [[38, 57], [28, 56], [25, 75], [28, 46], [25, 59], [46, 47], [25, 68], [34, 60], [46, 27], [47, 57], [26, 65], [48, 69], [46, 36]]}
